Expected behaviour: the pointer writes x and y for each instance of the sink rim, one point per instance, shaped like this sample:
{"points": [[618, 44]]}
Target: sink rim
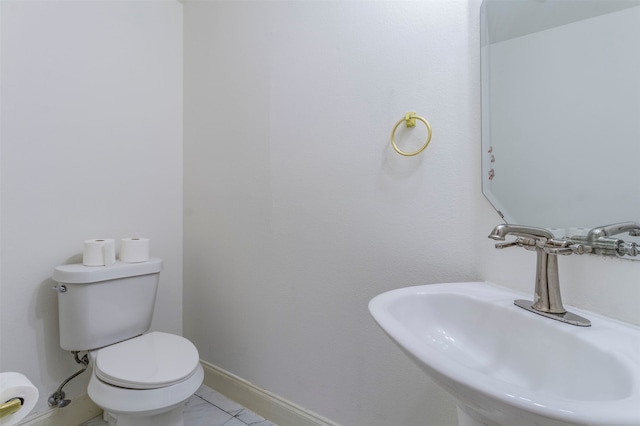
{"points": [[457, 378]]}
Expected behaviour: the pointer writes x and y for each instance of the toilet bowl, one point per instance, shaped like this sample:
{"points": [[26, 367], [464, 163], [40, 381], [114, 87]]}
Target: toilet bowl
{"points": [[138, 378], [143, 380]]}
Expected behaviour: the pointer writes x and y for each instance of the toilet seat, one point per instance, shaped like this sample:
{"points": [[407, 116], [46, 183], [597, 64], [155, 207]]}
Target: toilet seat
{"points": [[143, 402], [149, 361]]}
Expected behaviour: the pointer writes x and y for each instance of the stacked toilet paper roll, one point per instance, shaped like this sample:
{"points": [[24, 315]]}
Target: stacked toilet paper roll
{"points": [[134, 250], [99, 252], [17, 386]]}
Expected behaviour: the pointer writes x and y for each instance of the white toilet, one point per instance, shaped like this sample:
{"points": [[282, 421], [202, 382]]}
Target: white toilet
{"points": [[137, 379]]}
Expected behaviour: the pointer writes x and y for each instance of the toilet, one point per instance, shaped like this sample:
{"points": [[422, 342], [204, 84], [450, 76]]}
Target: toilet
{"points": [[138, 378]]}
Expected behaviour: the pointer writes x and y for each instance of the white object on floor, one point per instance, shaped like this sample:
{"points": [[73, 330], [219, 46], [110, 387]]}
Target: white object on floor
{"points": [[15, 386]]}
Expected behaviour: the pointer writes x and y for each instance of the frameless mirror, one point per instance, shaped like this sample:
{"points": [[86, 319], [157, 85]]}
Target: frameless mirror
{"points": [[561, 111]]}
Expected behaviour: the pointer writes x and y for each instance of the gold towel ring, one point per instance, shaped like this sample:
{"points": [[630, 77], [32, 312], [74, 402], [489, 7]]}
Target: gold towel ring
{"points": [[410, 120]]}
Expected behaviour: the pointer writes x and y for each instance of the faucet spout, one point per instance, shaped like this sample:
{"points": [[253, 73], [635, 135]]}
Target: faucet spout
{"points": [[501, 231], [632, 228]]}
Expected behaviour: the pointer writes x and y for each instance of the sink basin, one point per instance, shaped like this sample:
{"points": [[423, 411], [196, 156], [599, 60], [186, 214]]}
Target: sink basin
{"points": [[506, 366]]}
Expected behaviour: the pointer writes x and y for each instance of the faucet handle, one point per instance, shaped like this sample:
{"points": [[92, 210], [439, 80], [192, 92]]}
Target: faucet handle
{"points": [[507, 244], [565, 251], [608, 246], [528, 243], [564, 247], [630, 249]]}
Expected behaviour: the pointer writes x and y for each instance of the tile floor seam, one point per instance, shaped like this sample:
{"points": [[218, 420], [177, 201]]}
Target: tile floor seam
{"points": [[238, 415], [234, 418]]}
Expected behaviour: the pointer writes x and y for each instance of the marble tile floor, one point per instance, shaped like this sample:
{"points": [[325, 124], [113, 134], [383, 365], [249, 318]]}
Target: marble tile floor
{"points": [[209, 408]]}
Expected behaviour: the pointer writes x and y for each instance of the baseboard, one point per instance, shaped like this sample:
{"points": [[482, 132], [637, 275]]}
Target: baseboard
{"points": [[264, 403], [79, 411]]}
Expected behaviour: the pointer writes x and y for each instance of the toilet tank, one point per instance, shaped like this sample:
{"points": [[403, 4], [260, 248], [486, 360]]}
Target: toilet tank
{"points": [[102, 305]]}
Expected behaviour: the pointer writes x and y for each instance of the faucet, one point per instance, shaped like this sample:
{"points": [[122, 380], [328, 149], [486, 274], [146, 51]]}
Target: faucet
{"points": [[599, 240], [547, 300], [547, 290], [632, 228], [502, 230]]}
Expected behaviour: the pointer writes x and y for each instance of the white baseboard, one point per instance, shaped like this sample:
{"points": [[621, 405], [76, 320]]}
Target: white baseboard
{"points": [[264, 403], [79, 411]]}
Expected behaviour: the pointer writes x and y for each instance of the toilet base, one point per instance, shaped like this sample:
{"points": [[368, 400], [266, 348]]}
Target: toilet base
{"points": [[172, 417]]}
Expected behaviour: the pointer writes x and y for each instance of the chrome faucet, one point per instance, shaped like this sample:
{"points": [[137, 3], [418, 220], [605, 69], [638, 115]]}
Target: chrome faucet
{"points": [[547, 300], [600, 240], [632, 228], [502, 230]]}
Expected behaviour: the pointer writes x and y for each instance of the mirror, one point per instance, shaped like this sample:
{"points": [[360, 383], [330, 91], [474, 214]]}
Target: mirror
{"points": [[561, 111]]}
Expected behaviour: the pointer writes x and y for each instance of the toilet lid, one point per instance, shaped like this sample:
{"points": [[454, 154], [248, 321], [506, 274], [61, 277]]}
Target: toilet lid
{"points": [[149, 361]]}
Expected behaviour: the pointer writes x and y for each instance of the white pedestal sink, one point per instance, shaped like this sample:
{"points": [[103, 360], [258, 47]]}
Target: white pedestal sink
{"points": [[506, 366]]}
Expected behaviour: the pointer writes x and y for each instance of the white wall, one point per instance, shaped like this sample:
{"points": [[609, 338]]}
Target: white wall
{"points": [[297, 209], [91, 147]]}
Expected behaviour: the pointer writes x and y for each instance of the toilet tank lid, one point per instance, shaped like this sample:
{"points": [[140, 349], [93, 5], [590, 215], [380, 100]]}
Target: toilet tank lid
{"points": [[77, 273]]}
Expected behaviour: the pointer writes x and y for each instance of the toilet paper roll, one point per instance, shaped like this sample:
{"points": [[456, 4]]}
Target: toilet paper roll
{"points": [[99, 252], [15, 385], [134, 250]]}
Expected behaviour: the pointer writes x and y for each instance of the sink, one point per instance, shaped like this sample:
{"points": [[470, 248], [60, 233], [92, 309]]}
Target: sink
{"points": [[506, 366]]}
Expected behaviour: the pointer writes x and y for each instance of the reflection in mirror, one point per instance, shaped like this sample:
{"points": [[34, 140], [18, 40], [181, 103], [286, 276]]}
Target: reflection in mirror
{"points": [[561, 112]]}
